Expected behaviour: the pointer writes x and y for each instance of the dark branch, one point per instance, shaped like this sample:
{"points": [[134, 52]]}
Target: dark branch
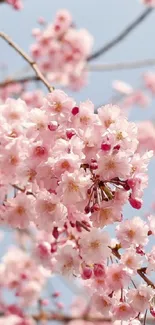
{"points": [[122, 35], [11, 81]]}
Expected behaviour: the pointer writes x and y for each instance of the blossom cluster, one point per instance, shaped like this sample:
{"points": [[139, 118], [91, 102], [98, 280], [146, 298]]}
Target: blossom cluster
{"points": [[69, 172], [20, 273], [67, 157], [61, 51]]}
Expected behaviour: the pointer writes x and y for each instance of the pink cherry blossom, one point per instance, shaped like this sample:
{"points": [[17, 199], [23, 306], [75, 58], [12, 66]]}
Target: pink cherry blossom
{"points": [[94, 246], [131, 260], [67, 261], [132, 232], [123, 311], [140, 298], [117, 277]]}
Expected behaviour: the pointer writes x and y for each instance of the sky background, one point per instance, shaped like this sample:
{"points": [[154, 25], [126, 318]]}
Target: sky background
{"points": [[104, 19]]}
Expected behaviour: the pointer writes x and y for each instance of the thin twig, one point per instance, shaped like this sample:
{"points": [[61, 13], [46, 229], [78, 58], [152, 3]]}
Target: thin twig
{"points": [[28, 59], [11, 81], [121, 65], [122, 35]]}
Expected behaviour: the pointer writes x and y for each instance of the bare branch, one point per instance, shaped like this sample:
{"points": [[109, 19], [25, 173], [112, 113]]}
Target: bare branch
{"points": [[122, 35], [28, 59], [121, 65]]}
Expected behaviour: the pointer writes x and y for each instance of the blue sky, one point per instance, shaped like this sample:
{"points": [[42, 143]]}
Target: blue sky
{"points": [[104, 19]]}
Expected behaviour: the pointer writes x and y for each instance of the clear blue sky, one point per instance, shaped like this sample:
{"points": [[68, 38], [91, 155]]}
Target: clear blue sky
{"points": [[104, 19]]}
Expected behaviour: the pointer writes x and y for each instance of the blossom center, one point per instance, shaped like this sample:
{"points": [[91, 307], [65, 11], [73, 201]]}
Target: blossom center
{"points": [[58, 107], [119, 136], [49, 206], [95, 244], [65, 165], [13, 160], [84, 120], [72, 187], [110, 164], [131, 233], [108, 122]]}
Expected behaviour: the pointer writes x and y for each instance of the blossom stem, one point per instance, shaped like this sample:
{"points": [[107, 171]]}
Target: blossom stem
{"points": [[28, 59]]}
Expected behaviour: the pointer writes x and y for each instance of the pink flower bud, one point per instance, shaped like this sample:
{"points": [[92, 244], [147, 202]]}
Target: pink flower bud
{"points": [[96, 207], [152, 311], [56, 294], [140, 251], [87, 209], [93, 166], [55, 233], [105, 146], [99, 270], [53, 248], [53, 126], [131, 182], [86, 273], [43, 249], [117, 147], [135, 203], [70, 133], [75, 110]]}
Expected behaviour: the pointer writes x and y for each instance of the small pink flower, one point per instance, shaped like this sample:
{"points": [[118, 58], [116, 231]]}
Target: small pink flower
{"points": [[123, 311], [117, 277], [131, 260], [132, 232], [140, 298], [94, 246], [67, 261]]}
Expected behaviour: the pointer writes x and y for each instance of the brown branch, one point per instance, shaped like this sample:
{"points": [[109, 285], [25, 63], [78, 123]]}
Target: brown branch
{"points": [[122, 35], [28, 59], [11, 81], [66, 318]]}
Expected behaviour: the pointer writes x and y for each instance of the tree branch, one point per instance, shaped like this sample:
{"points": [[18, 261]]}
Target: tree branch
{"points": [[122, 35], [28, 59], [66, 318], [121, 65]]}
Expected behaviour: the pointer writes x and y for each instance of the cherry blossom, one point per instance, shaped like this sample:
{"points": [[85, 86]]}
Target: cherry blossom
{"points": [[61, 51]]}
